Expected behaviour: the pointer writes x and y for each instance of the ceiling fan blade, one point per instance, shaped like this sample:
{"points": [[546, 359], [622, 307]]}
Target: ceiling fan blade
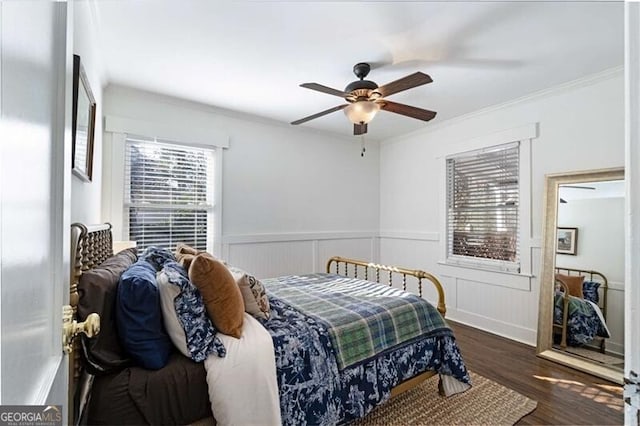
{"points": [[320, 114], [577, 187], [409, 111], [324, 89], [414, 80], [359, 129]]}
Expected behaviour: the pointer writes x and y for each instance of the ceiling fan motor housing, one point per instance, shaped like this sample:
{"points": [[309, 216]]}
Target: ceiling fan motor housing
{"points": [[361, 70], [360, 84]]}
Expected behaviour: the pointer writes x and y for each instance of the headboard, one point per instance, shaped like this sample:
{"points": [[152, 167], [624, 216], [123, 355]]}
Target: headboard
{"points": [[592, 276], [90, 246], [391, 270]]}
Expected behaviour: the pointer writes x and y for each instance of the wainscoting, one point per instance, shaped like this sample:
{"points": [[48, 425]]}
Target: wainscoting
{"points": [[504, 304], [615, 317], [272, 255]]}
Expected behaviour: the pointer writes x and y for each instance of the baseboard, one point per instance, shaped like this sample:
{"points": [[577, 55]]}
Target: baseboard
{"points": [[509, 331]]}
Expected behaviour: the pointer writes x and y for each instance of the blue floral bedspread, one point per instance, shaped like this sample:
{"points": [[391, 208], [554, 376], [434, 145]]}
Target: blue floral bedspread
{"points": [[583, 321], [314, 391]]}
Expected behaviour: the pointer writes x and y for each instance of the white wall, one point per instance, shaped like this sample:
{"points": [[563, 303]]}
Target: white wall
{"points": [[86, 196], [580, 126], [600, 223], [290, 196]]}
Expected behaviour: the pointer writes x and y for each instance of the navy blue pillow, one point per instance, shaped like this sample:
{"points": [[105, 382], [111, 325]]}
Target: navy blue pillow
{"points": [[590, 291], [139, 317]]}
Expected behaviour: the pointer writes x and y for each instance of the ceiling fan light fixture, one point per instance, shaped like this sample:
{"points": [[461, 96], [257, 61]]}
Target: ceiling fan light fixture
{"points": [[361, 112]]}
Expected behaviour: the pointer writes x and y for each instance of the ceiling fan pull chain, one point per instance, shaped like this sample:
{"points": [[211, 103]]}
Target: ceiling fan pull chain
{"points": [[362, 144]]}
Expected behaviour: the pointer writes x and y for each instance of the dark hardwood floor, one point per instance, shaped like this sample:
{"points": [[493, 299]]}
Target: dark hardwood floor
{"points": [[564, 395]]}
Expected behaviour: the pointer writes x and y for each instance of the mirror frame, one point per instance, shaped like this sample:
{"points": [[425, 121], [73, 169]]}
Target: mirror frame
{"points": [[545, 347]]}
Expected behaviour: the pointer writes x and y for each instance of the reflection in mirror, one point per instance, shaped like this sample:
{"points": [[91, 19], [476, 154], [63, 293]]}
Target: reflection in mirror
{"points": [[582, 291]]}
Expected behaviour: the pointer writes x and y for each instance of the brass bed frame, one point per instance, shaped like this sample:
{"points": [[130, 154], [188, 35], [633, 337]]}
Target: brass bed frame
{"points": [[604, 286], [91, 245]]}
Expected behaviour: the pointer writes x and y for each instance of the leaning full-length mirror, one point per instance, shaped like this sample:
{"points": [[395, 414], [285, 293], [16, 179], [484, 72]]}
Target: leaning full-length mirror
{"points": [[581, 316]]}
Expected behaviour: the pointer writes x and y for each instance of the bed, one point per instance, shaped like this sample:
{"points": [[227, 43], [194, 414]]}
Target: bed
{"points": [[580, 308], [324, 375]]}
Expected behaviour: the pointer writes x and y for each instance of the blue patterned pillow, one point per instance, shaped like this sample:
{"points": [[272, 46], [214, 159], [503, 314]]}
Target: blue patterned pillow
{"points": [[201, 335], [157, 257], [590, 291]]}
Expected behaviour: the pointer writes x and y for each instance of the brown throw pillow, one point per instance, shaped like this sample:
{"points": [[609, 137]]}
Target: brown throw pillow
{"points": [[185, 255], [185, 260], [573, 283], [220, 293], [182, 248]]}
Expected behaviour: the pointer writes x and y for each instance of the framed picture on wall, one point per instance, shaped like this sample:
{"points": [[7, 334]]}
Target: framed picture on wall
{"points": [[567, 241], [83, 123]]}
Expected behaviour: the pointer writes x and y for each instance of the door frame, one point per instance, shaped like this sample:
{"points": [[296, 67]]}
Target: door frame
{"points": [[632, 209]]}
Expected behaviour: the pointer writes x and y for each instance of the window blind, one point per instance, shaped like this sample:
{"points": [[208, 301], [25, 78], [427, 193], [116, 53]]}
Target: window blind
{"points": [[168, 193], [482, 208]]}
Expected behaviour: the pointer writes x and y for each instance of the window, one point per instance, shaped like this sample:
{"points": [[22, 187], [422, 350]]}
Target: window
{"points": [[482, 208], [168, 193]]}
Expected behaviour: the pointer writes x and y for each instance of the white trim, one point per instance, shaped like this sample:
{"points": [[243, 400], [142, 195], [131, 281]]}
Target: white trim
{"points": [[408, 235], [60, 215], [615, 286], [114, 186], [632, 202], [535, 242], [217, 201], [524, 215], [500, 328], [114, 189], [521, 133], [614, 348], [545, 93], [483, 150], [297, 236], [42, 390], [524, 135], [188, 136]]}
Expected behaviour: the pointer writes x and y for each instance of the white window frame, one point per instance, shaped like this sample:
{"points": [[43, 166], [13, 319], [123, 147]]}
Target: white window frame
{"points": [[209, 208], [477, 262], [476, 271], [114, 196]]}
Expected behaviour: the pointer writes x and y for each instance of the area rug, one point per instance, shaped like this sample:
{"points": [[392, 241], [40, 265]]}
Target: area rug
{"points": [[486, 403], [595, 356]]}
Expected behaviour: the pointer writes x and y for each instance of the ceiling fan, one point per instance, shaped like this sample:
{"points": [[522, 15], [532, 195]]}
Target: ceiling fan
{"points": [[365, 98]]}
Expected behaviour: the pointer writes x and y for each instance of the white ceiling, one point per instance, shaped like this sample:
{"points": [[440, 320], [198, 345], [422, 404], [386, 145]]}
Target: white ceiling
{"points": [[589, 190], [251, 56]]}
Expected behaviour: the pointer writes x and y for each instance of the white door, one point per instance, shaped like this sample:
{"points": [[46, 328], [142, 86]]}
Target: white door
{"points": [[632, 220], [34, 193]]}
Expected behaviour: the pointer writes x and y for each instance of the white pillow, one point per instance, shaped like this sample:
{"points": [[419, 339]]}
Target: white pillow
{"points": [[253, 293], [168, 292]]}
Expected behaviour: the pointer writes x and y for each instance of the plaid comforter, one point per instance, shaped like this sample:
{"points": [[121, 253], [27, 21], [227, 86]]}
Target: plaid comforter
{"points": [[363, 318]]}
